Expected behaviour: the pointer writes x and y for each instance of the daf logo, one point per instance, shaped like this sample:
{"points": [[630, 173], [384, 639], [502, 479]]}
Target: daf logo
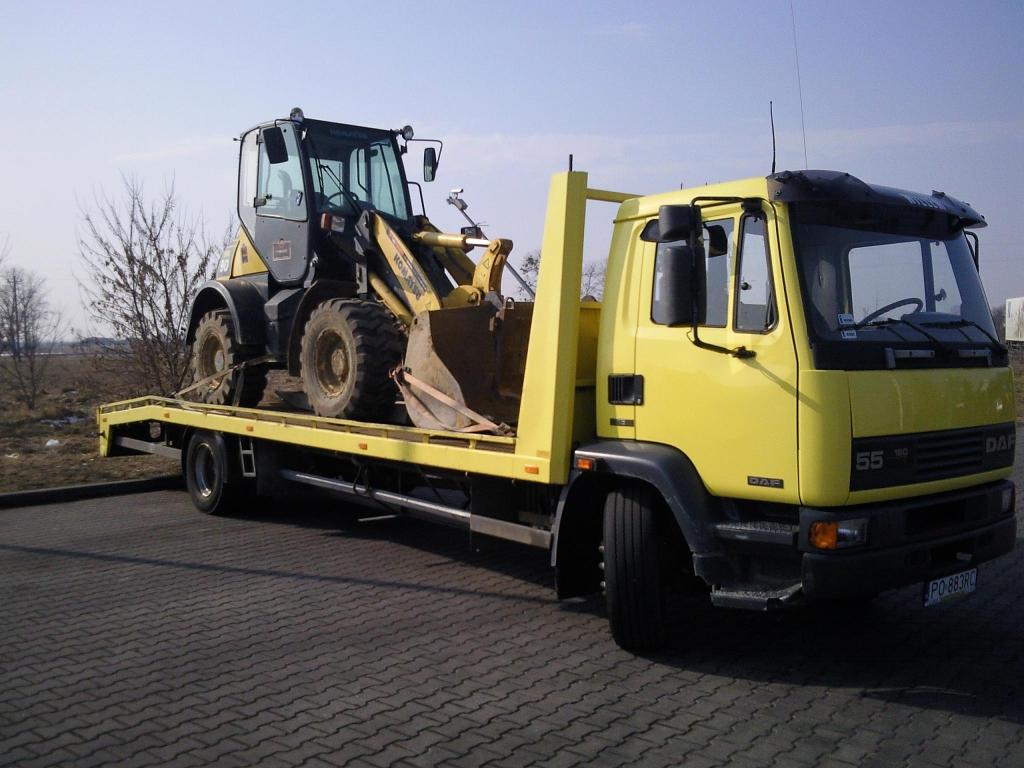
{"points": [[1000, 444], [764, 482]]}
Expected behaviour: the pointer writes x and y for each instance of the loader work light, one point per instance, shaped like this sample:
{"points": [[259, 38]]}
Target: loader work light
{"points": [[407, 133], [839, 534]]}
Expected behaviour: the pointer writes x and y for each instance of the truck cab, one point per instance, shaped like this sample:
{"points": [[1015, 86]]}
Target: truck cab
{"points": [[816, 355]]}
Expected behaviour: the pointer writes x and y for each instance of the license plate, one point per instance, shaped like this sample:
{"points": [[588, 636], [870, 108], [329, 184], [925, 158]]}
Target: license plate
{"points": [[949, 587]]}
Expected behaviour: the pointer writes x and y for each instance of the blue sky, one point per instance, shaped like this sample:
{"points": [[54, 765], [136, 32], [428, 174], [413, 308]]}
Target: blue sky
{"points": [[920, 95]]}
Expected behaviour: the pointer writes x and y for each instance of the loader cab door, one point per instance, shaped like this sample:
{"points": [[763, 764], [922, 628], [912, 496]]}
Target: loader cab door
{"points": [[272, 200]]}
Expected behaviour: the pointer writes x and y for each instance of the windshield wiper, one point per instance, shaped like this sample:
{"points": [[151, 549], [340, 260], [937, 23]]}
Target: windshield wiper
{"points": [[965, 321], [939, 344]]}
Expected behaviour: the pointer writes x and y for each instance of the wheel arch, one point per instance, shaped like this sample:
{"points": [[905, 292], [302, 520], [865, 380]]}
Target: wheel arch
{"points": [[239, 297], [666, 470]]}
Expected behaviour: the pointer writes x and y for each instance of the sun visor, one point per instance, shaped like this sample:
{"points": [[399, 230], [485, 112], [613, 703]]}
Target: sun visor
{"points": [[822, 186]]}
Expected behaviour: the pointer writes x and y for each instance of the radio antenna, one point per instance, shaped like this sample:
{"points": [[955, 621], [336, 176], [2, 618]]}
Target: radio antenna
{"points": [[771, 116], [799, 85]]}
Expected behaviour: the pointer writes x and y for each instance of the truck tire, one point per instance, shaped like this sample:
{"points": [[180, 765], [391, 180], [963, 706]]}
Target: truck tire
{"points": [[349, 348], [215, 348], [633, 569], [207, 475]]}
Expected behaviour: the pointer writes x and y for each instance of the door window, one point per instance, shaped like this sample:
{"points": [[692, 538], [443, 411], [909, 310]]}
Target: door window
{"points": [[755, 299], [281, 188], [247, 170]]}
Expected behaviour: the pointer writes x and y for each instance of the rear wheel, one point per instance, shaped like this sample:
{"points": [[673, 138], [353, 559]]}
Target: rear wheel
{"points": [[216, 348], [633, 569], [349, 348], [207, 471]]}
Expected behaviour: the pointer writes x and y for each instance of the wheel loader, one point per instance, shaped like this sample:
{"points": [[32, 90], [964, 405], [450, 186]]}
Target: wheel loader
{"points": [[335, 279]]}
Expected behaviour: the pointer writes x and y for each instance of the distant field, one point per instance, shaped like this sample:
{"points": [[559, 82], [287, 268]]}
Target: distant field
{"points": [[66, 413]]}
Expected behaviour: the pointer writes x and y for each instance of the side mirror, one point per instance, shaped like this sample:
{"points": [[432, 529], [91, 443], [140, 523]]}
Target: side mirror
{"points": [[717, 241], [273, 140], [429, 163], [683, 289], [675, 222]]}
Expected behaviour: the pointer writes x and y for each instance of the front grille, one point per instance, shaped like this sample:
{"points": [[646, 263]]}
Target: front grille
{"points": [[950, 455], [881, 462]]}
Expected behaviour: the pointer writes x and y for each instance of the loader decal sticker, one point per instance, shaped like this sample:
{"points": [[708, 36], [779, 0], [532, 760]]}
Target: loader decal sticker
{"points": [[410, 276], [245, 253], [282, 250]]}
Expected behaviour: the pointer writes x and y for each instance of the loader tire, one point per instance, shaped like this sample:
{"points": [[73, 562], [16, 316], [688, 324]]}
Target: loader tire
{"points": [[216, 348], [633, 569], [349, 348]]}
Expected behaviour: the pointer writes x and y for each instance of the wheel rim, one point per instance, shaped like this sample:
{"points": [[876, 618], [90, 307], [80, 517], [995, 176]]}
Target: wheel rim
{"points": [[331, 362], [204, 470], [212, 359]]}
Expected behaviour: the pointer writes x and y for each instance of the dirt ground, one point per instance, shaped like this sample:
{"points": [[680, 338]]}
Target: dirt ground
{"points": [[66, 414]]}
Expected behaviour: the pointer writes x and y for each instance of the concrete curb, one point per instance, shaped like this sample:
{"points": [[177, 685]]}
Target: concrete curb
{"points": [[88, 491]]}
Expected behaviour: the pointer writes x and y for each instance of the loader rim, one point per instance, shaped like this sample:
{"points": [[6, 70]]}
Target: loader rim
{"points": [[212, 359], [331, 362]]}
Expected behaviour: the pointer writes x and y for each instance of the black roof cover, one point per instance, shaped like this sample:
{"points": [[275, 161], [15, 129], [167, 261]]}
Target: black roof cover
{"points": [[791, 186]]}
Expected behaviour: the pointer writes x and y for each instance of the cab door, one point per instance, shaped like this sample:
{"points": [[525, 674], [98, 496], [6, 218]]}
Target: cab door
{"points": [[733, 416], [281, 233]]}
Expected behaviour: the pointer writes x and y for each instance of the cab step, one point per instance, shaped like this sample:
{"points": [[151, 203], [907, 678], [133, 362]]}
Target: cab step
{"points": [[754, 599], [759, 532]]}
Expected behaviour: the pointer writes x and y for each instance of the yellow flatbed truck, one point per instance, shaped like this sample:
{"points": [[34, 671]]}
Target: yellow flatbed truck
{"points": [[791, 392]]}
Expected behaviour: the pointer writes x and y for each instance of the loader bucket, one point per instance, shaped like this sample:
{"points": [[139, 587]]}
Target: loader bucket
{"points": [[475, 356]]}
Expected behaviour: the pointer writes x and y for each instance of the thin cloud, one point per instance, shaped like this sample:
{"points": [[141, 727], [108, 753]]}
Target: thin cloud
{"points": [[187, 146]]}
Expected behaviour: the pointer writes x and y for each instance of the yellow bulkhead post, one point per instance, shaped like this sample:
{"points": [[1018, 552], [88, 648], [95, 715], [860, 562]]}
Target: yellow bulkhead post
{"points": [[549, 383]]}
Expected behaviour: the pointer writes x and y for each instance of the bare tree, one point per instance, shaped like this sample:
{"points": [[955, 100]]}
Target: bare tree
{"points": [[144, 261], [529, 271], [28, 332], [592, 285]]}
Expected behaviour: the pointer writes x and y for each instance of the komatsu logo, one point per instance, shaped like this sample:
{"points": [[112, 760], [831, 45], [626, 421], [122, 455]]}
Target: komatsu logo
{"points": [[1001, 443]]}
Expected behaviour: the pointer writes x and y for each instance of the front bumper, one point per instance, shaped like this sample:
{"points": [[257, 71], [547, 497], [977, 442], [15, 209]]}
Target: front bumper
{"points": [[909, 541]]}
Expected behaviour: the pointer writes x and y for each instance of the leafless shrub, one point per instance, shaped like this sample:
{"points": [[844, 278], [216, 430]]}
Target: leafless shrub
{"points": [[28, 332], [144, 261]]}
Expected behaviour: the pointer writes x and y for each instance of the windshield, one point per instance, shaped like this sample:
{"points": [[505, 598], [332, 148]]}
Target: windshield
{"points": [[891, 276], [355, 168]]}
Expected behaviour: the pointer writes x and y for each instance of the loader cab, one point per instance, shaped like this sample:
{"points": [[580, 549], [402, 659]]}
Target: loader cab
{"points": [[291, 172]]}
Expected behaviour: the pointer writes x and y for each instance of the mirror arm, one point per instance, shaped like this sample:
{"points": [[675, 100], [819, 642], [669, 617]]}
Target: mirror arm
{"points": [[740, 352]]}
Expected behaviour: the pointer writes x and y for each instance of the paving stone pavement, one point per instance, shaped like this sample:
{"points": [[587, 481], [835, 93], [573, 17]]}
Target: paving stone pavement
{"points": [[135, 631]]}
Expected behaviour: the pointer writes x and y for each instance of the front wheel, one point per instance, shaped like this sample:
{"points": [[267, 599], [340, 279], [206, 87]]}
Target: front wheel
{"points": [[349, 348], [633, 569]]}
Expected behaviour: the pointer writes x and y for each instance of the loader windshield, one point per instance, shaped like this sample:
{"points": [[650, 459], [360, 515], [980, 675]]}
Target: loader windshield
{"points": [[877, 278], [354, 168]]}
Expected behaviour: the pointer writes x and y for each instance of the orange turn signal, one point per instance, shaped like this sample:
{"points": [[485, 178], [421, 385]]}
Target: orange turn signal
{"points": [[585, 463], [824, 535]]}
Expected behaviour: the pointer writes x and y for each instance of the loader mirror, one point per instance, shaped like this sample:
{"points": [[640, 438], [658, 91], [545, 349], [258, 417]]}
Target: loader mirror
{"points": [[675, 222], [682, 292], [273, 140], [429, 163]]}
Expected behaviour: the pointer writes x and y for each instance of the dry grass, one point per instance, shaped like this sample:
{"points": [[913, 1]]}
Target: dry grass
{"points": [[1018, 383], [76, 388]]}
